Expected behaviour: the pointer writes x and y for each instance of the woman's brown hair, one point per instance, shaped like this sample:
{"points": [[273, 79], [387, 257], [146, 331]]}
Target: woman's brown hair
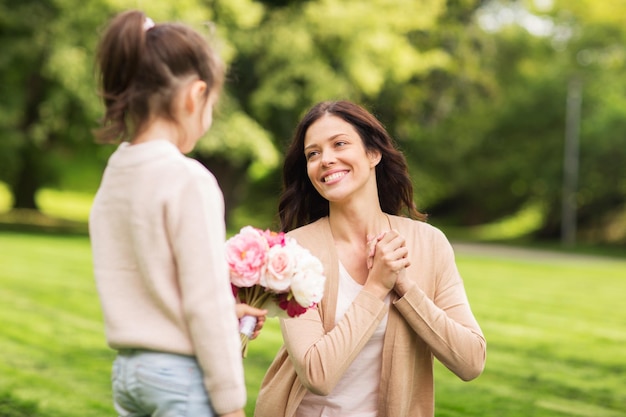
{"points": [[300, 203], [141, 66]]}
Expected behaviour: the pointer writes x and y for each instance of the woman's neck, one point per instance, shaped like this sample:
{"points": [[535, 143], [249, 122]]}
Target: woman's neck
{"points": [[350, 225]]}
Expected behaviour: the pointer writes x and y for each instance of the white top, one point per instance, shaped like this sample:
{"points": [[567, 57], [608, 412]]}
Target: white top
{"points": [[157, 235], [356, 394]]}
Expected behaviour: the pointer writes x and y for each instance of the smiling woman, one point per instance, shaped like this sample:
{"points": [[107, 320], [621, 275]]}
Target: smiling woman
{"points": [[393, 297]]}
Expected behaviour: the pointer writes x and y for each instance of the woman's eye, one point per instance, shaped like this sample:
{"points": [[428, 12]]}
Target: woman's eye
{"points": [[311, 154], [340, 143]]}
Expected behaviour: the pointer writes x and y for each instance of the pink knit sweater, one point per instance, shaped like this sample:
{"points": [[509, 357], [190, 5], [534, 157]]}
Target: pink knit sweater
{"points": [[157, 233]]}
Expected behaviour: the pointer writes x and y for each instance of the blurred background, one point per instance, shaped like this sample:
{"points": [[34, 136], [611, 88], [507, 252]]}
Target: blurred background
{"points": [[512, 114]]}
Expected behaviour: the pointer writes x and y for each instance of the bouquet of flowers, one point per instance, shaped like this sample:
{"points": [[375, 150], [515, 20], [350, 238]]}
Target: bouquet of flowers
{"points": [[272, 271]]}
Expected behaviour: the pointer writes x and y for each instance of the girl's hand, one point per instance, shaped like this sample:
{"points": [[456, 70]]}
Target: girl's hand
{"points": [[245, 310]]}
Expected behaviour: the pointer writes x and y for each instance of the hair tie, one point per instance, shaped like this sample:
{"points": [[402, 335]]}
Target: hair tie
{"points": [[148, 24]]}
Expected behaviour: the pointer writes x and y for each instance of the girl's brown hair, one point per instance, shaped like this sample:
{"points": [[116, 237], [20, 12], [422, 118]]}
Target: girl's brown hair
{"points": [[141, 66], [300, 203]]}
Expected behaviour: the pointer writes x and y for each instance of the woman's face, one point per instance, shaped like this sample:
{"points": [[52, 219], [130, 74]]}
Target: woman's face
{"points": [[338, 164]]}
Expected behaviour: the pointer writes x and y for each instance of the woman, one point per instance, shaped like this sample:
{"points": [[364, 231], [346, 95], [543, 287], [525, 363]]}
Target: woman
{"points": [[393, 298]]}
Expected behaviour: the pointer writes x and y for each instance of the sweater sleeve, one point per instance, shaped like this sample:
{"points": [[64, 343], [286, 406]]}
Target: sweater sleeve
{"points": [[445, 322], [320, 359], [195, 223]]}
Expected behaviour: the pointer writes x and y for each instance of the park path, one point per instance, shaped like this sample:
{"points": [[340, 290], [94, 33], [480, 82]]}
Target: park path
{"points": [[528, 254]]}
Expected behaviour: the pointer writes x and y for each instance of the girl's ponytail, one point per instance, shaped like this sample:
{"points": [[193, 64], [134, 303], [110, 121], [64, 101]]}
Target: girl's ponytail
{"points": [[141, 66], [118, 60]]}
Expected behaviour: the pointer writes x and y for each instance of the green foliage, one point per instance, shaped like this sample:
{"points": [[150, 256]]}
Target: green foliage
{"points": [[49, 102], [479, 110], [554, 333], [506, 149], [240, 140], [307, 52]]}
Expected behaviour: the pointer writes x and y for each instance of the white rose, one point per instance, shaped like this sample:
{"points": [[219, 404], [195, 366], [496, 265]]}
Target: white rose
{"points": [[308, 262], [307, 285]]}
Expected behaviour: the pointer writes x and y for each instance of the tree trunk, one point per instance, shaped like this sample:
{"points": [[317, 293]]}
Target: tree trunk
{"points": [[26, 185], [28, 180]]}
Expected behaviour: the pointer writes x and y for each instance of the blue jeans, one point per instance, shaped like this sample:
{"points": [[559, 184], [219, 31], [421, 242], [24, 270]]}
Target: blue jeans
{"points": [[158, 384]]}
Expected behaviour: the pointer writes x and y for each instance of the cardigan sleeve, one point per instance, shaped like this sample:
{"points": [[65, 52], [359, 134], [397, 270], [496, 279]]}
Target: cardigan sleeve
{"points": [[444, 321], [319, 358]]}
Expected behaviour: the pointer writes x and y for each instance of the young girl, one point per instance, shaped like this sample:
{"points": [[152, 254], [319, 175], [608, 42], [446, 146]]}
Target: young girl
{"points": [[394, 298], [157, 228]]}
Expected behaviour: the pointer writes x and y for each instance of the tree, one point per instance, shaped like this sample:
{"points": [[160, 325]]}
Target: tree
{"points": [[491, 142], [477, 103], [522, 150], [46, 100], [50, 104], [383, 54]]}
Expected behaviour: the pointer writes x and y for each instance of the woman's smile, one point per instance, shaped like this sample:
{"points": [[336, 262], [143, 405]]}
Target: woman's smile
{"points": [[334, 177]]}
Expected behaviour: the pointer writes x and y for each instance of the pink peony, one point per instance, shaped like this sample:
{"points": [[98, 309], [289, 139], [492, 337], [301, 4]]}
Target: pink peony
{"points": [[274, 238], [246, 255]]}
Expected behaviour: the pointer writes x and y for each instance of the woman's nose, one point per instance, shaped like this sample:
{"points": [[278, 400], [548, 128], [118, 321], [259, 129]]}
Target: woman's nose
{"points": [[328, 158]]}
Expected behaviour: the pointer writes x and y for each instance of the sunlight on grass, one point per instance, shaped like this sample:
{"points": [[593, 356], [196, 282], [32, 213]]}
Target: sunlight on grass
{"points": [[555, 334], [65, 204], [554, 338], [52, 339], [69, 205], [522, 223], [6, 200]]}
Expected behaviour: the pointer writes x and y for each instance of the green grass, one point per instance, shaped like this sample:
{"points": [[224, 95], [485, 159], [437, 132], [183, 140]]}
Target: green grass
{"points": [[51, 337], [556, 337], [69, 205], [61, 212], [5, 197], [556, 331], [65, 204]]}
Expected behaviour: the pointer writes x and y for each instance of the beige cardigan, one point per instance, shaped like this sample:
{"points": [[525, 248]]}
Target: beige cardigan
{"points": [[433, 318]]}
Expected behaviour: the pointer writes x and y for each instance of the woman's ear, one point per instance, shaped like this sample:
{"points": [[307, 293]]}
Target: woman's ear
{"points": [[375, 156]]}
